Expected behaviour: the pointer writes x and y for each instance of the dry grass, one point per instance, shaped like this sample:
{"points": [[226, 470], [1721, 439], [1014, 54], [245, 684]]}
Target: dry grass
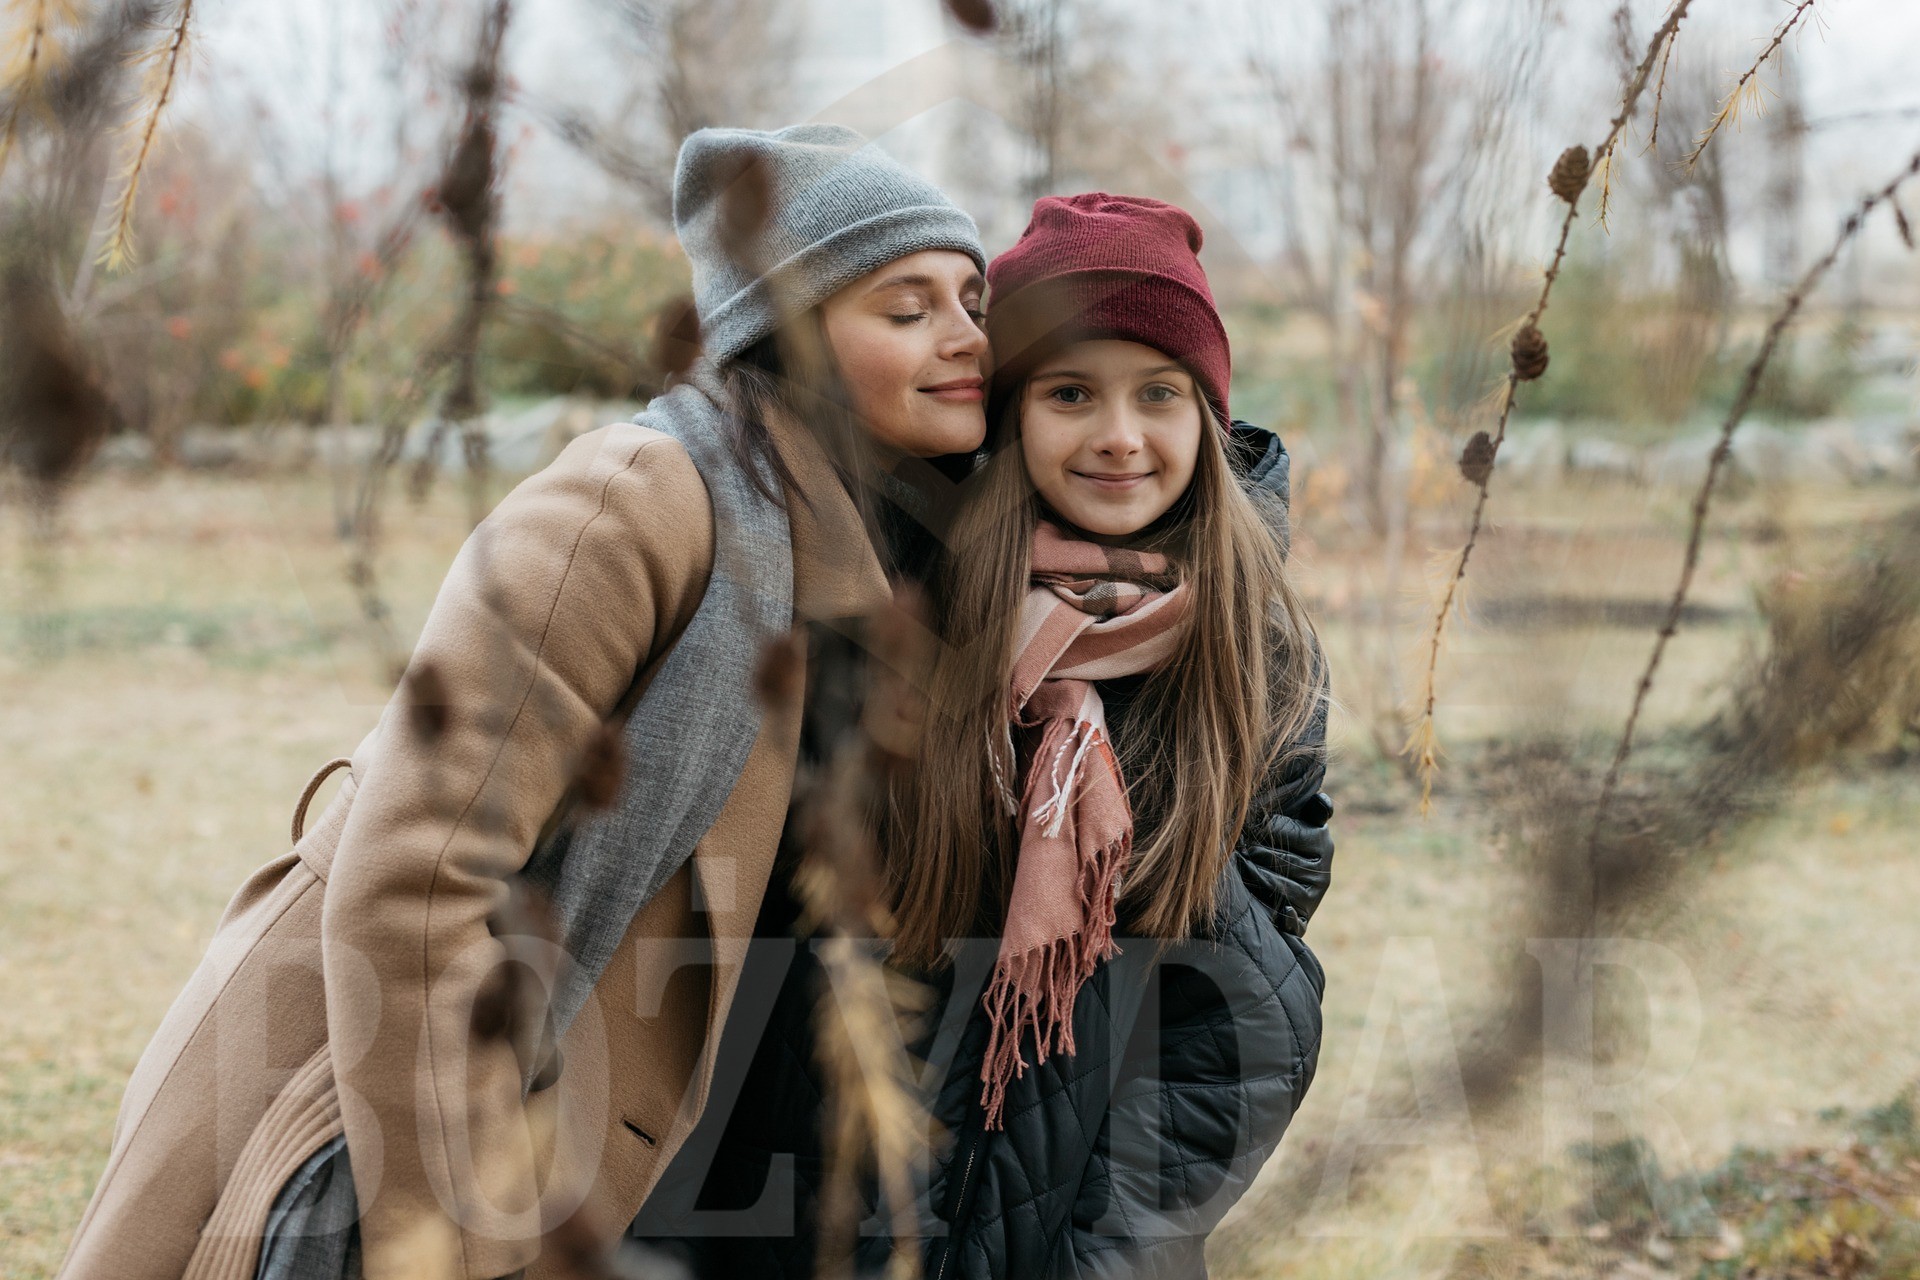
{"points": [[1789, 926], [210, 654], [1799, 947], [206, 672]]}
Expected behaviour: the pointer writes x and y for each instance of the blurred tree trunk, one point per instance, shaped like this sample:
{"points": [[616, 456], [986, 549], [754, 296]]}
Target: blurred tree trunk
{"points": [[1786, 162], [1032, 43], [1388, 147], [352, 171], [1091, 99], [694, 64]]}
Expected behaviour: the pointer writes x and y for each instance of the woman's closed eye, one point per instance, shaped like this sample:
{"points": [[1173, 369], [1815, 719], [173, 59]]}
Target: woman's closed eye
{"points": [[907, 319]]}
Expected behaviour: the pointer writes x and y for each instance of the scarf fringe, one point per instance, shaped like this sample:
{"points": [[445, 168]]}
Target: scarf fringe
{"points": [[1037, 988], [995, 755], [1082, 737]]}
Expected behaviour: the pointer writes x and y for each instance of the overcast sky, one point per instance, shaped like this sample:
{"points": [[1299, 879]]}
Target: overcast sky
{"points": [[1861, 59]]}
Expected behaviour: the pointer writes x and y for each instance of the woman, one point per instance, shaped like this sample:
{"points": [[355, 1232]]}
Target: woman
{"points": [[357, 1042], [1127, 727]]}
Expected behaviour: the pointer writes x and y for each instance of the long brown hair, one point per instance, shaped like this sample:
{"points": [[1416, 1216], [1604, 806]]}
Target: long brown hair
{"points": [[792, 372], [1233, 700]]}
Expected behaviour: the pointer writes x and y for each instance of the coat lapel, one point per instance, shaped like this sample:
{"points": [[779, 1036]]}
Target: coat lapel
{"points": [[836, 572]]}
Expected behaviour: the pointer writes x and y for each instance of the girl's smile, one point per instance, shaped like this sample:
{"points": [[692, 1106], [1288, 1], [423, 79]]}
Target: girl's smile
{"points": [[1123, 481]]}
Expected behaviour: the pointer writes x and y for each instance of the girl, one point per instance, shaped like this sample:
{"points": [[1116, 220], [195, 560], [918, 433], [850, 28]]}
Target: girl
{"points": [[1127, 730], [338, 1091]]}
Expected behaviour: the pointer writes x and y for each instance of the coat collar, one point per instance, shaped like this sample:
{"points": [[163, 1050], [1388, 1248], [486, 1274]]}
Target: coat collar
{"points": [[1264, 457], [836, 571]]}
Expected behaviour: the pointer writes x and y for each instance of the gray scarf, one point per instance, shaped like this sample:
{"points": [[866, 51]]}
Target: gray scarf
{"points": [[689, 735]]}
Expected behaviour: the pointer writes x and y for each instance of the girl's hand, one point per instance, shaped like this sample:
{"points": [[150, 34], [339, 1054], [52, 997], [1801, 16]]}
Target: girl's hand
{"points": [[1286, 859]]}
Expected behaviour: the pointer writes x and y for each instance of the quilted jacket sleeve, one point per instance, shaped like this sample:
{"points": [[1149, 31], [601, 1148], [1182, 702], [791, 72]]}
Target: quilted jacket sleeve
{"points": [[1224, 1050], [1217, 1066], [1285, 851]]}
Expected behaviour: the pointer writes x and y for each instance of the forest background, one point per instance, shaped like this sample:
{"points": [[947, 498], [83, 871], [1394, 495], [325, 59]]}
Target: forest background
{"points": [[1604, 494]]}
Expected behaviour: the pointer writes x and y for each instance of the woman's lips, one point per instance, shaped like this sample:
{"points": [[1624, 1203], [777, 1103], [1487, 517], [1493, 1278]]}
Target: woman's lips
{"points": [[960, 391]]}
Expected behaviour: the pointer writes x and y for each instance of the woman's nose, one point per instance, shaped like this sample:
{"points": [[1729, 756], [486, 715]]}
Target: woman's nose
{"points": [[960, 335]]}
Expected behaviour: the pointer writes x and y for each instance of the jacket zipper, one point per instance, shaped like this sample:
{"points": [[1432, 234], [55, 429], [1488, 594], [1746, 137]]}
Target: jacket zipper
{"points": [[975, 1136]]}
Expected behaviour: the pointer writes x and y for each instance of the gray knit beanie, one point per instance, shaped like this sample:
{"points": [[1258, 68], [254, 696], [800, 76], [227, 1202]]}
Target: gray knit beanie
{"points": [[837, 207]]}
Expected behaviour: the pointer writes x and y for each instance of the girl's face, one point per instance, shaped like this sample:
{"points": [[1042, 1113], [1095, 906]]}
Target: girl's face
{"points": [[910, 349], [1111, 432]]}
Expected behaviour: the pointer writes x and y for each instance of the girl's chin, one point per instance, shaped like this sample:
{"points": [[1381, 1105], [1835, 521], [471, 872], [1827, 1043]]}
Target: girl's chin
{"points": [[1101, 521]]}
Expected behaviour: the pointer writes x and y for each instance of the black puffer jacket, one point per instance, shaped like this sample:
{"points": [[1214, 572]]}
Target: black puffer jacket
{"points": [[1116, 1160], [1189, 1064]]}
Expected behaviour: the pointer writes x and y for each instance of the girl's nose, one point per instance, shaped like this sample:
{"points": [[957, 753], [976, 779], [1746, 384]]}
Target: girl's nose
{"points": [[1117, 435]]}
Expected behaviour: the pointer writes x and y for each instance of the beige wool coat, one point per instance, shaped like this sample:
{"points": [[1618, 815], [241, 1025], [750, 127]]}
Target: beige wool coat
{"points": [[338, 989]]}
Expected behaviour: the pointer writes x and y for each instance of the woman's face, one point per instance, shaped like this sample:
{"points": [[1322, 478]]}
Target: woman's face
{"points": [[1111, 432], [909, 346]]}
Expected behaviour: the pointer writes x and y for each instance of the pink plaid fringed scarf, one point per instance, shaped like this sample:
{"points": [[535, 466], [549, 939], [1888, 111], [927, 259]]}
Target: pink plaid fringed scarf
{"points": [[1092, 613]]}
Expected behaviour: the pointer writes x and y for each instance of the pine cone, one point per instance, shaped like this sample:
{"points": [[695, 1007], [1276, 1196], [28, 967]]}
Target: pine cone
{"points": [[676, 337], [427, 709], [976, 16], [1476, 460], [1529, 353], [1569, 176], [603, 768]]}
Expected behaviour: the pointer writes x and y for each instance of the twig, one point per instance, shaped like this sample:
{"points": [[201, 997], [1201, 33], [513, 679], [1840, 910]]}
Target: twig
{"points": [[470, 199], [365, 528], [30, 73], [871, 1117], [1605, 168], [1730, 105], [630, 362], [1659, 96], [119, 250], [1862, 1193], [1422, 740], [1855, 117], [1749, 386]]}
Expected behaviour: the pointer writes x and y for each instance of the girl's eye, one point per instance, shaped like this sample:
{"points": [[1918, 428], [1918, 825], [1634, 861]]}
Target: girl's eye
{"points": [[1159, 393], [903, 321], [1068, 395]]}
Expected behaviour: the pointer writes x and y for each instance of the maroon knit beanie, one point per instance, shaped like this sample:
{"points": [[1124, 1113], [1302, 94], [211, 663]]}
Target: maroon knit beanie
{"points": [[1105, 266]]}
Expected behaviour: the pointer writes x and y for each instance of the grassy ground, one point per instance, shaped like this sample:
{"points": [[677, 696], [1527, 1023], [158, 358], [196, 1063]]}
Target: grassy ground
{"points": [[188, 652]]}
